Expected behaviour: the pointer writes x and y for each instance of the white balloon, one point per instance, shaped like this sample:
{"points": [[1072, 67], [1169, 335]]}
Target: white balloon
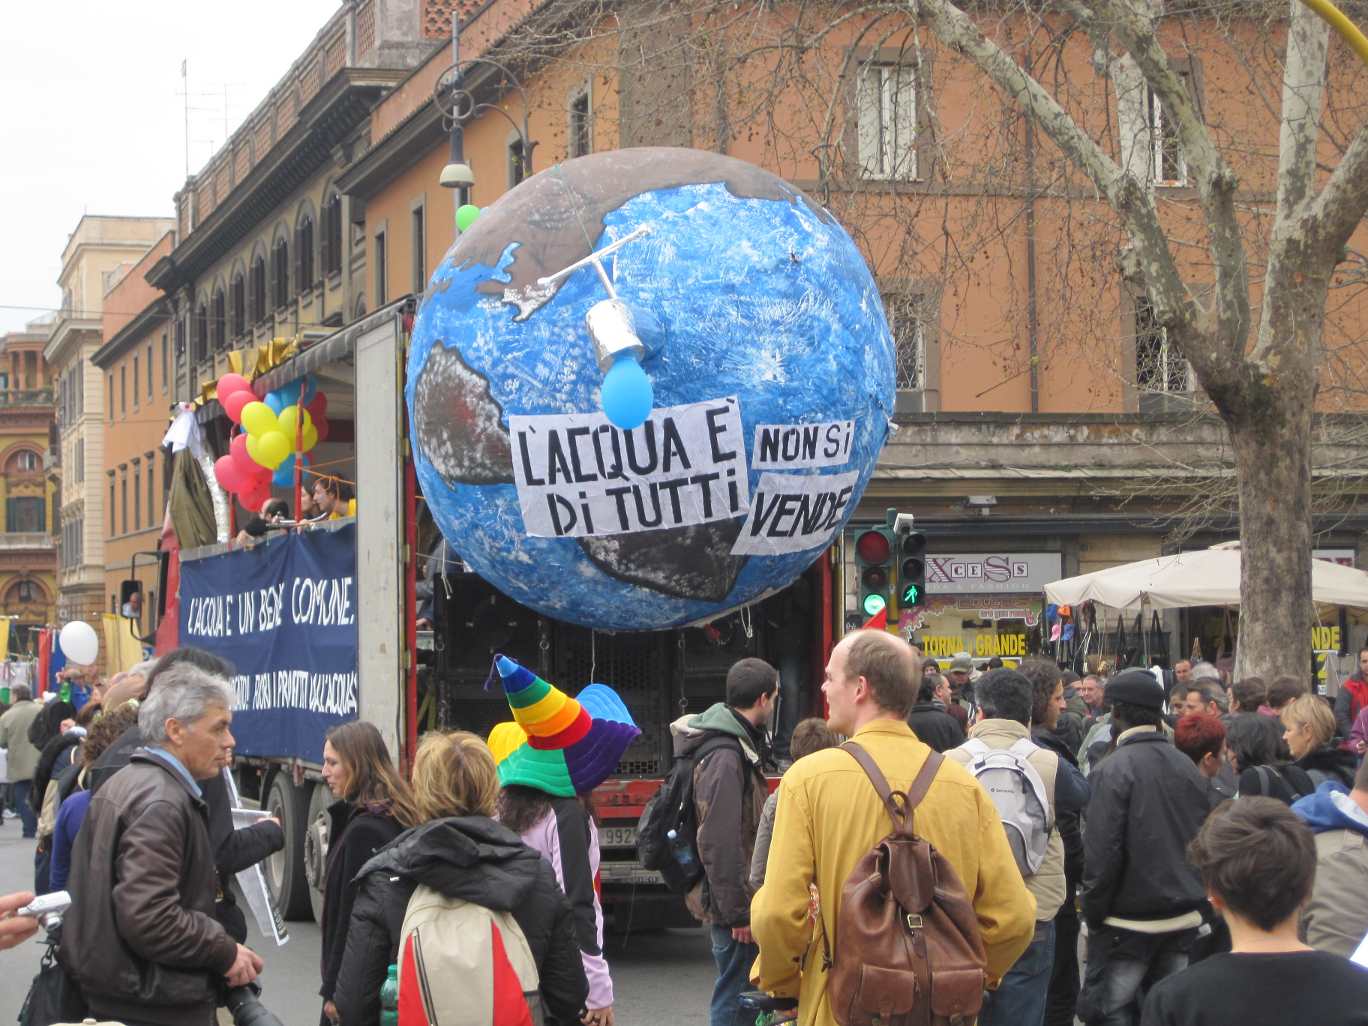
{"points": [[80, 643]]}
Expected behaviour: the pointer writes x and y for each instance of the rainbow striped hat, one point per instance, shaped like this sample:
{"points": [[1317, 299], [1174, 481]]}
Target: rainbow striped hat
{"points": [[558, 744]]}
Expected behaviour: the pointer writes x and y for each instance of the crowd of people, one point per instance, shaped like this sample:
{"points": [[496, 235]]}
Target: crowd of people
{"points": [[1126, 847]]}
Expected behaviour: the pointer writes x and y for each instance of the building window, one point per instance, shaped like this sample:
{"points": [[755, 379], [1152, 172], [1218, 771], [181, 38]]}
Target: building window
{"points": [[165, 364], [137, 499], [419, 250], [332, 235], [1158, 365], [25, 591], [201, 340], [23, 460], [79, 469], [259, 310], [280, 270], [123, 500], [581, 128], [304, 245], [887, 119], [1167, 166], [25, 513], [113, 522], [907, 322], [220, 317], [151, 493], [380, 269], [111, 398], [238, 291], [135, 381], [517, 165], [149, 372]]}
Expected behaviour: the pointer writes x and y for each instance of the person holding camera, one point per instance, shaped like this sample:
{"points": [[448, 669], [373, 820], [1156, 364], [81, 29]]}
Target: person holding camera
{"points": [[141, 939]]}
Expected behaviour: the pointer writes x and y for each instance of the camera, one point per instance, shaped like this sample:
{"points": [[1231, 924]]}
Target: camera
{"points": [[245, 1005], [47, 908]]}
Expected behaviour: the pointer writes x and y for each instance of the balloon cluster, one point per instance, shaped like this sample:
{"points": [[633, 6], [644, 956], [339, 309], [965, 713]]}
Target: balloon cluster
{"points": [[264, 452]]}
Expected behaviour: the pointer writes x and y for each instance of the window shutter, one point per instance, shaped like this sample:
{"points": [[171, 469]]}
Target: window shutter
{"points": [[868, 115], [902, 91]]}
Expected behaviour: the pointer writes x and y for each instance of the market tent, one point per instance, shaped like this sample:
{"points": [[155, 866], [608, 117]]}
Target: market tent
{"points": [[1207, 577]]}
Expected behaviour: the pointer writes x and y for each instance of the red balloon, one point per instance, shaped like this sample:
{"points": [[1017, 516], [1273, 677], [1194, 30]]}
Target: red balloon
{"points": [[248, 469], [231, 383], [318, 406], [321, 426], [234, 402], [252, 497], [228, 475]]}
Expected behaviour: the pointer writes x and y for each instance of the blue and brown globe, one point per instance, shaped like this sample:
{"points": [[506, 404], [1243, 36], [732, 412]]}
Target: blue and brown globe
{"points": [[769, 358]]}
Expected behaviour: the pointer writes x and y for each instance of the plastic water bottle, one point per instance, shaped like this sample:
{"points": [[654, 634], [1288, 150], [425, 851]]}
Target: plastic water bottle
{"points": [[389, 998], [681, 851]]}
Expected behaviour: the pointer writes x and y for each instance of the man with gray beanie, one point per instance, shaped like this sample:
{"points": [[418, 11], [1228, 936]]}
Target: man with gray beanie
{"points": [[1141, 898]]}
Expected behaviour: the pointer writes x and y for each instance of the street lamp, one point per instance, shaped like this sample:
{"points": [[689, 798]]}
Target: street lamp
{"points": [[458, 105]]}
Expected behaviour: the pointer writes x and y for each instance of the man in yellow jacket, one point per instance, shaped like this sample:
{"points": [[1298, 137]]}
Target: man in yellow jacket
{"points": [[829, 816]]}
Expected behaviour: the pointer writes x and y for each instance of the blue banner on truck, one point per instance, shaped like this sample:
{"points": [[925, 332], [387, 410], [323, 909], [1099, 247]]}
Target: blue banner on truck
{"points": [[284, 614]]}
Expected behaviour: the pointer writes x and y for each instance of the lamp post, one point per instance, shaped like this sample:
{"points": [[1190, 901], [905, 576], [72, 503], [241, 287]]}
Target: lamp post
{"points": [[458, 105]]}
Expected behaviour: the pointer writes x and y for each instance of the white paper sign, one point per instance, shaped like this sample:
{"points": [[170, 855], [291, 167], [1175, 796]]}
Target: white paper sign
{"points": [[802, 446], [793, 512], [578, 475]]}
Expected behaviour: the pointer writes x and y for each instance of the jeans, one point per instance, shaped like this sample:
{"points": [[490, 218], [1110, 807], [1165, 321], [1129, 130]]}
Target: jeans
{"points": [[1020, 999], [21, 790], [1122, 967], [734, 959], [1062, 997]]}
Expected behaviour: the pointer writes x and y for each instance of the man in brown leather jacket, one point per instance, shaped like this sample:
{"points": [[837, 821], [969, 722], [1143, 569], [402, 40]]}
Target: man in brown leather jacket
{"points": [[141, 938]]}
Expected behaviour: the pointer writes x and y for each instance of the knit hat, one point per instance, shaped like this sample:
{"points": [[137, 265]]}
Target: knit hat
{"points": [[962, 663], [558, 744], [1135, 687]]}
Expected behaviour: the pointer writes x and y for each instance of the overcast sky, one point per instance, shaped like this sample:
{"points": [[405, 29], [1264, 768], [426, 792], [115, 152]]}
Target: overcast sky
{"points": [[93, 113]]}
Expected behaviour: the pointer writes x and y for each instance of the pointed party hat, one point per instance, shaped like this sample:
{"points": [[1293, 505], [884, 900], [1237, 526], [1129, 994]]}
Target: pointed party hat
{"points": [[558, 744]]}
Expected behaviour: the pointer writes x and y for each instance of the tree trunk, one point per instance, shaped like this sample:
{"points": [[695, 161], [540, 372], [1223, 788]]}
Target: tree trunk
{"points": [[1273, 471]]}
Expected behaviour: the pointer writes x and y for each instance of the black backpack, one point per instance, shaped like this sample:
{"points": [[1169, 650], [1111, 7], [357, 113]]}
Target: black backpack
{"points": [[672, 808]]}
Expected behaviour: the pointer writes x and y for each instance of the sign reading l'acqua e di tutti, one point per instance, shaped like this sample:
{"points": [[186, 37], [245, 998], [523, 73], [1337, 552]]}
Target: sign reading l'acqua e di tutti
{"points": [[989, 572]]}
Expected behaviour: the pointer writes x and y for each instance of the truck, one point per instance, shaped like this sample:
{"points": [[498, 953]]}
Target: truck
{"points": [[354, 584]]}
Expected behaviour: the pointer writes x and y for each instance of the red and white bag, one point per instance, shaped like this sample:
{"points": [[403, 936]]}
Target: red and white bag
{"points": [[461, 964]]}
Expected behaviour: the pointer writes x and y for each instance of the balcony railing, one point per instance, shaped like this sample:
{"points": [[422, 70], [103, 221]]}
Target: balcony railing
{"points": [[12, 540], [26, 397]]}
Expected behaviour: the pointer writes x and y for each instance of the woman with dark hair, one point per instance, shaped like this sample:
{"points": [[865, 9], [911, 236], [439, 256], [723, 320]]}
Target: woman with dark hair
{"points": [[374, 805], [1252, 748]]}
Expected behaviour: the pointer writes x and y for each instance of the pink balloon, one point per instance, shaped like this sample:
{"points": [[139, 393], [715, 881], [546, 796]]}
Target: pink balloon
{"points": [[318, 407], [252, 497], [227, 473], [234, 402], [230, 383], [248, 469]]}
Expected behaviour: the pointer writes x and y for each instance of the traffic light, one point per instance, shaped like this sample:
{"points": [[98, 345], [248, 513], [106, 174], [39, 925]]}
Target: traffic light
{"points": [[874, 561], [912, 570]]}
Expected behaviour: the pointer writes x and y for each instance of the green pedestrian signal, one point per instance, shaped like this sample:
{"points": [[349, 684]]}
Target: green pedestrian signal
{"points": [[912, 570]]}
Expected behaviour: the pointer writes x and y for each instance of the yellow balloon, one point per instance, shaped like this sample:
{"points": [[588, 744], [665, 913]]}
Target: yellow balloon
{"points": [[289, 423], [310, 437], [258, 419], [255, 453], [272, 448]]}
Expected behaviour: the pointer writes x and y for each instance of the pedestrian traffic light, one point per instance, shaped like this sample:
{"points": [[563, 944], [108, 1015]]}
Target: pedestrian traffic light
{"points": [[874, 561], [912, 570]]}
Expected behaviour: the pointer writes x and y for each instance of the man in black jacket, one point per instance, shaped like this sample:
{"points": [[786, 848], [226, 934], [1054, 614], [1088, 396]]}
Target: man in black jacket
{"points": [[929, 720], [1141, 898]]}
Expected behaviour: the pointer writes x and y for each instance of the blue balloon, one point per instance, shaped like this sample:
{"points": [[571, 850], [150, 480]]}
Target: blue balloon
{"points": [[627, 393], [289, 394], [309, 390], [273, 400], [284, 474]]}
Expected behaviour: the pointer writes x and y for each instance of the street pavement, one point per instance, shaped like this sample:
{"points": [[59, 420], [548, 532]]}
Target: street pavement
{"points": [[663, 976]]}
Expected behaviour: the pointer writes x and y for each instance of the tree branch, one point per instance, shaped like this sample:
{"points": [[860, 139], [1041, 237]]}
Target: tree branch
{"points": [[1133, 25], [1341, 205], [1173, 305], [1308, 42]]}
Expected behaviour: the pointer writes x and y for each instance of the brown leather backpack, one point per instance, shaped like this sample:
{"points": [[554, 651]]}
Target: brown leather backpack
{"points": [[908, 949]]}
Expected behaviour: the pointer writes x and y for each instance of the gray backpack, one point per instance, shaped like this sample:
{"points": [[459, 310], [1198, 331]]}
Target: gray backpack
{"points": [[1019, 794]]}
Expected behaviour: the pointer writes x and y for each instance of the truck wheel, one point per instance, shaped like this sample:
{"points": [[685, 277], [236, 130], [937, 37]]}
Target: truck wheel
{"points": [[316, 842], [285, 868]]}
